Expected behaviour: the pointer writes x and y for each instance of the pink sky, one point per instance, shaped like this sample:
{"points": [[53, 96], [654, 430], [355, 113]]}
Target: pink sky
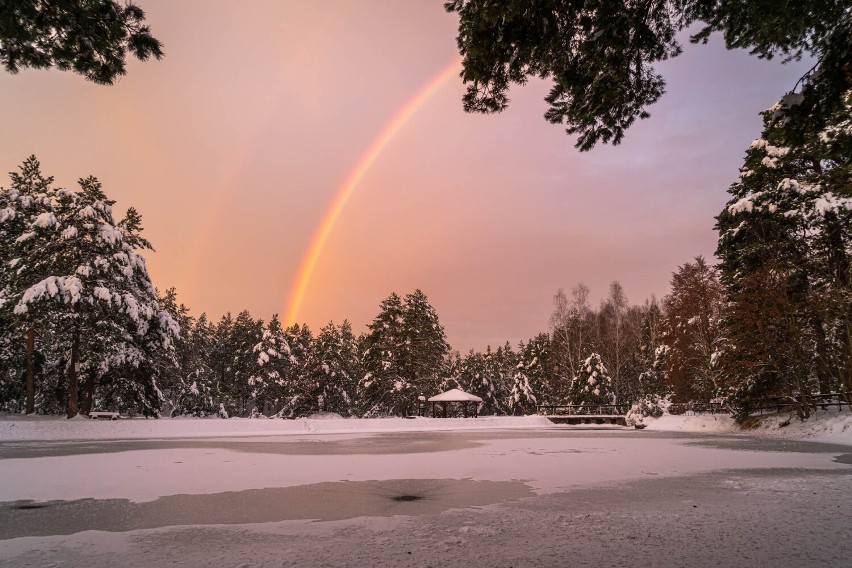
{"points": [[234, 145]]}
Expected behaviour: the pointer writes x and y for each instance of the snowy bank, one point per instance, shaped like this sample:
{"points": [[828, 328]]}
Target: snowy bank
{"points": [[825, 425], [15, 427]]}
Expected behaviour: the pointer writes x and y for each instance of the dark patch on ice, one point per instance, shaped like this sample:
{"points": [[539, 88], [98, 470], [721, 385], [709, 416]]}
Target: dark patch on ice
{"points": [[770, 445], [329, 501], [405, 498], [26, 506], [844, 458]]}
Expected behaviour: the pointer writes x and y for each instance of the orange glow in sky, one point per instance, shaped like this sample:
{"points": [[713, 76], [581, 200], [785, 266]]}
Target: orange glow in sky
{"points": [[343, 194]]}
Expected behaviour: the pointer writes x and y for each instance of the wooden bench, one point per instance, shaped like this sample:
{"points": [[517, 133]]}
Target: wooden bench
{"points": [[103, 415]]}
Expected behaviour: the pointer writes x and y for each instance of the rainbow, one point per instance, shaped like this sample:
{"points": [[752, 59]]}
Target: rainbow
{"points": [[347, 188]]}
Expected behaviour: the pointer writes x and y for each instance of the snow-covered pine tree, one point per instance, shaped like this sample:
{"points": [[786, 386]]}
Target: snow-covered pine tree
{"points": [[237, 339], [521, 398], [652, 381], [172, 371], [335, 369], [530, 378], [268, 376], [299, 399], [425, 349], [98, 295], [25, 201], [221, 355], [652, 352], [784, 242], [452, 375], [591, 385], [652, 388], [198, 393], [384, 389], [481, 375]]}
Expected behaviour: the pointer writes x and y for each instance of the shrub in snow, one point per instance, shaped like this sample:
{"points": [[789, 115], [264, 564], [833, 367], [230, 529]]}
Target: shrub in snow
{"points": [[650, 406]]}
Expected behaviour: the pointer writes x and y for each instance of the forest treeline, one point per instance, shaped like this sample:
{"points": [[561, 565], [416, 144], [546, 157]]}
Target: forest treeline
{"points": [[82, 326]]}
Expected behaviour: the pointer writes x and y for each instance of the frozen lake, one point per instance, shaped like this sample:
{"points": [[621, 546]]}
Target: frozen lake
{"points": [[499, 497]]}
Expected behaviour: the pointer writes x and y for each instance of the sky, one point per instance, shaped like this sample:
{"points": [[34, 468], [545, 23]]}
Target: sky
{"points": [[235, 145]]}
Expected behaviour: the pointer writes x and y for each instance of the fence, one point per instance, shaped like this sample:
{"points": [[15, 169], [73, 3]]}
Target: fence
{"points": [[776, 404], [698, 408], [790, 403], [583, 409]]}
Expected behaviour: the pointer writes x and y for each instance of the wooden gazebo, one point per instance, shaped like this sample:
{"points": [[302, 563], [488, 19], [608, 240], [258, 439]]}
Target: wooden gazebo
{"points": [[469, 402]]}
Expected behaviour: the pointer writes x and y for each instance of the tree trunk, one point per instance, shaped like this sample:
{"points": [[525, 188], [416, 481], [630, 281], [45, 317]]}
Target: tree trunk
{"points": [[823, 373], [72, 376], [88, 394], [30, 380]]}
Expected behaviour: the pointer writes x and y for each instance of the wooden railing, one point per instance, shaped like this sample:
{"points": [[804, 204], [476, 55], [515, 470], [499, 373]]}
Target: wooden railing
{"points": [[583, 409], [774, 404], [698, 408], [787, 403]]}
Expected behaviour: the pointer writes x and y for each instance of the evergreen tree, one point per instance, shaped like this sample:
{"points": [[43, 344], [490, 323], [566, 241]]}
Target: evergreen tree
{"points": [[784, 241], [27, 202], [404, 355], [452, 379], [240, 362], [488, 375], [384, 388], [591, 385], [522, 398], [301, 397], [336, 369], [425, 346], [600, 53], [476, 376], [97, 296], [221, 354], [173, 370], [532, 378], [89, 37], [268, 377], [198, 393]]}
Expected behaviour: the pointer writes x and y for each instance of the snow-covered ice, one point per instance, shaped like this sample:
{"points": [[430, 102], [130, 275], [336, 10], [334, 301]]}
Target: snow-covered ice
{"points": [[483, 492], [56, 428]]}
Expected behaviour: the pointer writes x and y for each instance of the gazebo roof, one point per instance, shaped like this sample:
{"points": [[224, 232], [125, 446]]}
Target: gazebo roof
{"points": [[455, 395]]}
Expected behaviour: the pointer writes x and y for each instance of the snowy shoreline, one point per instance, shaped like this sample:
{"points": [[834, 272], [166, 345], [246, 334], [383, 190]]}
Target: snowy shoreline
{"points": [[18, 428], [825, 426]]}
